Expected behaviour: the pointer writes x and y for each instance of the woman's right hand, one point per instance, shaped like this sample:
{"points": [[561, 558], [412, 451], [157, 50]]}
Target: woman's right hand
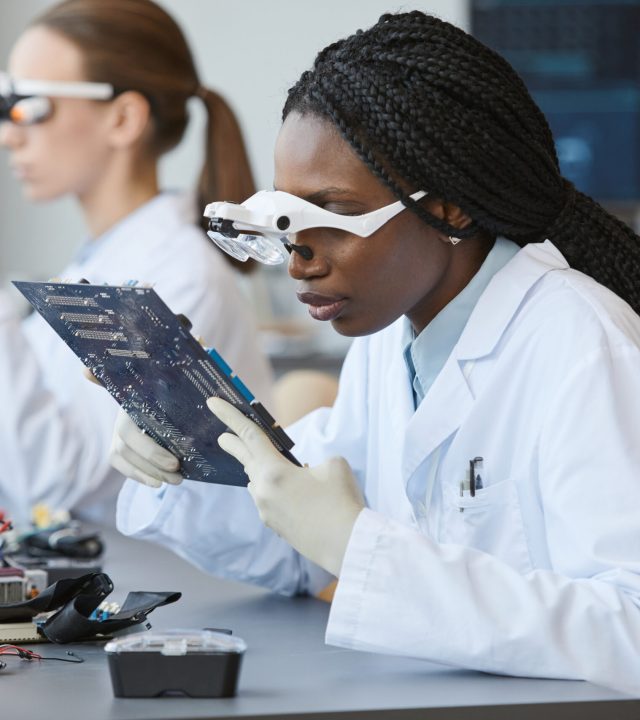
{"points": [[136, 455]]}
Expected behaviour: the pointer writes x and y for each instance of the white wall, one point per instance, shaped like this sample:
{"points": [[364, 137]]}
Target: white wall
{"points": [[250, 50]]}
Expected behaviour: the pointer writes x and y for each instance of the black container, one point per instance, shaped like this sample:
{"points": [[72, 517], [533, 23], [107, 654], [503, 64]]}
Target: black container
{"points": [[193, 663]]}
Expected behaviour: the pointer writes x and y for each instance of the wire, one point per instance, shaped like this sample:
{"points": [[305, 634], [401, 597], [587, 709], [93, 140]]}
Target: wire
{"points": [[76, 658], [5, 522], [25, 654]]}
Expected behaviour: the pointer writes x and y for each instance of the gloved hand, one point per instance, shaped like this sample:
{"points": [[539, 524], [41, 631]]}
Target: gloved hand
{"points": [[313, 509], [136, 455]]}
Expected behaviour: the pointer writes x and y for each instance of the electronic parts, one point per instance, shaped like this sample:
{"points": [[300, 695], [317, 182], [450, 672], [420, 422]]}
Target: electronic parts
{"points": [[145, 356]]}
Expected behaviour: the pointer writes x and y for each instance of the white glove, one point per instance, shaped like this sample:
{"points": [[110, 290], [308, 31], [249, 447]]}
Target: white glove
{"points": [[313, 509], [136, 455]]}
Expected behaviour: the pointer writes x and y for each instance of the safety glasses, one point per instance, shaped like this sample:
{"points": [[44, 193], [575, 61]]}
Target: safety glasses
{"points": [[26, 102], [261, 227]]}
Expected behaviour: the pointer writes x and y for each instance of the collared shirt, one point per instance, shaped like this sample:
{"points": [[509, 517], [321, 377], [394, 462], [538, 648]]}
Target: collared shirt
{"points": [[426, 354]]}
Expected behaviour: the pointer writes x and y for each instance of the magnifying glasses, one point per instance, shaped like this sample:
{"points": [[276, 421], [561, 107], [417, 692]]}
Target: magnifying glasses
{"points": [[261, 227], [26, 102]]}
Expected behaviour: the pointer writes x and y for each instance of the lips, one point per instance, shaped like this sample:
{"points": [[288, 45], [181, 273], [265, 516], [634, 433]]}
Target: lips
{"points": [[322, 307], [20, 171]]}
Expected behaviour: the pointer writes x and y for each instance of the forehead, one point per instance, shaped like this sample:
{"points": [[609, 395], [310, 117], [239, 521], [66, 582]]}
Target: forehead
{"points": [[311, 155], [41, 54]]}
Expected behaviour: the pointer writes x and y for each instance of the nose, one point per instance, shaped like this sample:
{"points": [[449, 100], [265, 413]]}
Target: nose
{"points": [[305, 265], [11, 136]]}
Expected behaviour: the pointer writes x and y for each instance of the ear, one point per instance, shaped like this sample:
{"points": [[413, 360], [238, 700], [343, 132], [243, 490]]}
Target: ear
{"points": [[130, 118], [455, 216], [449, 212]]}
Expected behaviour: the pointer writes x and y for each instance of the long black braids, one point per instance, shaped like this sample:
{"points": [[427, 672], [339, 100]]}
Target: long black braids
{"points": [[420, 100]]}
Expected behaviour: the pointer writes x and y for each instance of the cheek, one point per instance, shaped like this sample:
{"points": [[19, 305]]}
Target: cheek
{"points": [[69, 152], [386, 277], [388, 268], [378, 285]]}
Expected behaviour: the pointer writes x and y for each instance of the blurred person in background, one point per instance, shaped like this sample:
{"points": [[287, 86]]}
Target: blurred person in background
{"points": [[95, 93]]}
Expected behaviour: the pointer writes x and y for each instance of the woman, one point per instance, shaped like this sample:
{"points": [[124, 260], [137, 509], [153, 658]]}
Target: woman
{"points": [[484, 511], [96, 93]]}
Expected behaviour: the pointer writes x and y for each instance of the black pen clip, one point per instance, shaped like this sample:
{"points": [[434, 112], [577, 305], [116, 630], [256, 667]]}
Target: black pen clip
{"points": [[475, 478]]}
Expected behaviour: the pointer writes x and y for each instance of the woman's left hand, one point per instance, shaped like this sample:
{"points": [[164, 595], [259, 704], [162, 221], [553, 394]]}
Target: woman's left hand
{"points": [[313, 509]]}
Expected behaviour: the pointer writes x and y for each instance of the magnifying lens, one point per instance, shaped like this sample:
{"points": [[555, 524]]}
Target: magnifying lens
{"points": [[262, 226]]}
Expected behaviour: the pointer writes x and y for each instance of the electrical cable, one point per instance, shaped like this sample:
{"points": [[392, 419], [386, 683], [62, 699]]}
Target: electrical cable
{"points": [[25, 654]]}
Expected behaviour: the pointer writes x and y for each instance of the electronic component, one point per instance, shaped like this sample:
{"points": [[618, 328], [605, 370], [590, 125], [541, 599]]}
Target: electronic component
{"points": [[13, 585], [145, 356], [20, 632]]}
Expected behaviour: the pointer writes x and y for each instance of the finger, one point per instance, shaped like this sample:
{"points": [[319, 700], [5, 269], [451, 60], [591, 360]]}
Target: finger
{"points": [[146, 447], [252, 436], [139, 463], [234, 446], [91, 377], [130, 471]]}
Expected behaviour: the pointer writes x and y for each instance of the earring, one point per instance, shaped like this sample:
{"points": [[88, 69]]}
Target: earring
{"points": [[454, 240]]}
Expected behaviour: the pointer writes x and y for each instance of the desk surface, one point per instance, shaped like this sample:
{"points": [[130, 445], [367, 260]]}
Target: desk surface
{"points": [[287, 670]]}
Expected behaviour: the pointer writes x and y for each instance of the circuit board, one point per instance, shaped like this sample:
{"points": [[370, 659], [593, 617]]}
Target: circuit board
{"points": [[145, 356]]}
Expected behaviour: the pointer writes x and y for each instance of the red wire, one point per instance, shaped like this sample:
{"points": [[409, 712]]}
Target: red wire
{"points": [[5, 523], [20, 652]]}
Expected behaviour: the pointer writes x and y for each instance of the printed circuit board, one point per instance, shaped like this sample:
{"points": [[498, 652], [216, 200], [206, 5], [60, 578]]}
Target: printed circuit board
{"points": [[145, 356]]}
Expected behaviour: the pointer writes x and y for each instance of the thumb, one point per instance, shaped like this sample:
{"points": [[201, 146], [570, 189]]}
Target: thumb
{"points": [[91, 377]]}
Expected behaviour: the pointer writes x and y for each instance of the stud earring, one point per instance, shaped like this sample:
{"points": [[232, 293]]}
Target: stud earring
{"points": [[454, 240]]}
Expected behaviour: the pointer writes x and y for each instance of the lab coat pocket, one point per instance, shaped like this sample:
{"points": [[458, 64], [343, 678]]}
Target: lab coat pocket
{"points": [[493, 495], [491, 521]]}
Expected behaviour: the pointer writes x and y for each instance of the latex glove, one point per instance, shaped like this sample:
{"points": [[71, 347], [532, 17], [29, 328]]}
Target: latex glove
{"points": [[136, 455], [313, 509]]}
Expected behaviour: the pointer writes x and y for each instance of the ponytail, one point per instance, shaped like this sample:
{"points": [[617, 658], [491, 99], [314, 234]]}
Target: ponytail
{"points": [[598, 244], [226, 173]]}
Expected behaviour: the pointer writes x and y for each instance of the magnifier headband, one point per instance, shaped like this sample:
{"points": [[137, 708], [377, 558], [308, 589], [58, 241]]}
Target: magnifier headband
{"points": [[25, 102], [260, 227]]}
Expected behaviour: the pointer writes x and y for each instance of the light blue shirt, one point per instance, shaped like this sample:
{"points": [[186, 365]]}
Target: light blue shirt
{"points": [[426, 354]]}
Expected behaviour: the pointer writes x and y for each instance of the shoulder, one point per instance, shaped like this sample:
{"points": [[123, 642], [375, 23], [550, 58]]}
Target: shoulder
{"points": [[577, 310]]}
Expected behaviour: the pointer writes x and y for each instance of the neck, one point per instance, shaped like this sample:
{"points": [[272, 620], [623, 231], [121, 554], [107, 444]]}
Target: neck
{"points": [[120, 191], [464, 262]]}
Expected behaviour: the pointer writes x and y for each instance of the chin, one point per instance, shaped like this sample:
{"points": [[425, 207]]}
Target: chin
{"points": [[38, 193], [354, 328]]}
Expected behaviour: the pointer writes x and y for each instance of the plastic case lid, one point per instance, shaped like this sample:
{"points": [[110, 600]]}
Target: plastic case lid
{"points": [[178, 642]]}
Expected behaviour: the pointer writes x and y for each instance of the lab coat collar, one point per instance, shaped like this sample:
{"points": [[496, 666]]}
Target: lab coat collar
{"points": [[504, 294], [429, 426]]}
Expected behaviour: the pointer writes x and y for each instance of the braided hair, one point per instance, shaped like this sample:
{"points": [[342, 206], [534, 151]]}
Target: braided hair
{"points": [[420, 100]]}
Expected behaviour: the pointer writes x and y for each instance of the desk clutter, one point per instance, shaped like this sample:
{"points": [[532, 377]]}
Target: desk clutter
{"points": [[52, 589]]}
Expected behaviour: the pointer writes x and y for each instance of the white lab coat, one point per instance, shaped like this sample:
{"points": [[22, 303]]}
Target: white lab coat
{"points": [[55, 426], [539, 574]]}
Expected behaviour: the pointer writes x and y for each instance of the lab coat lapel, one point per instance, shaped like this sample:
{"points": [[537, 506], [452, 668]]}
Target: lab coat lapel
{"points": [[450, 398], [438, 416]]}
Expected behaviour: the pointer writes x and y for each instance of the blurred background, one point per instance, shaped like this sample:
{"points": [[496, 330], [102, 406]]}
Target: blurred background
{"points": [[581, 60]]}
